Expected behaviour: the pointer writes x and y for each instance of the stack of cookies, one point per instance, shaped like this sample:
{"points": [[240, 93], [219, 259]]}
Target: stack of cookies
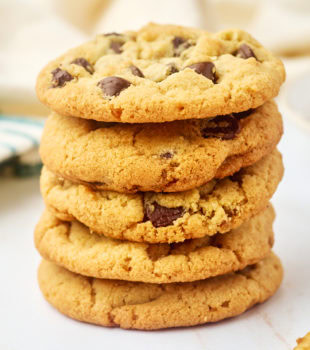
{"points": [[160, 160]]}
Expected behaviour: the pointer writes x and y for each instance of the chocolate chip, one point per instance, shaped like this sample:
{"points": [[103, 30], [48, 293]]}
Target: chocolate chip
{"points": [[177, 41], [116, 46], [166, 155], [244, 114], [60, 77], [207, 69], [216, 128], [180, 44], [245, 52], [112, 34], [136, 71], [162, 216], [113, 86], [172, 68], [84, 63]]}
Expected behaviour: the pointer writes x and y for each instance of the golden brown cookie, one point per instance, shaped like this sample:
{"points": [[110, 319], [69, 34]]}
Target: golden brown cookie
{"points": [[217, 207], [72, 246], [161, 73], [168, 157], [154, 306], [303, 343]]}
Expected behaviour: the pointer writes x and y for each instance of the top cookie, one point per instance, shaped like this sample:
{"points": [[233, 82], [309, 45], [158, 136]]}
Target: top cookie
{"points": [[161, 73]]}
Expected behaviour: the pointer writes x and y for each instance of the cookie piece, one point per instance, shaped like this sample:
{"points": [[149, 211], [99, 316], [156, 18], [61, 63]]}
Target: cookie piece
{"points": [[161, 73], [73, 247], [303, 343], [169, 157], [153, 306], [217, 207]]}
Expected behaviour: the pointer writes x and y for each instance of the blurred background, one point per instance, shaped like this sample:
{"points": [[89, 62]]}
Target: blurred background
{"points": [[32, 32]]}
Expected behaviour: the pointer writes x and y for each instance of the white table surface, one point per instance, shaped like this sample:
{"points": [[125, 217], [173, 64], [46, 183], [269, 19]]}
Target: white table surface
{"points": [[28, 322]]}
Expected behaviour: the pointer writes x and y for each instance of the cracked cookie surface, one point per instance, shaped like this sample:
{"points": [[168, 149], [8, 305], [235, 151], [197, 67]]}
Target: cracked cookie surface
{"points": [[216, 207], [169, 157], [76, 249], [153, 306], [161, 73]]}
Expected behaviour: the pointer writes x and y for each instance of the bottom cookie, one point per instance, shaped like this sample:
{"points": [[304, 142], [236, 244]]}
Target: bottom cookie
{"points": [[154, 306]]}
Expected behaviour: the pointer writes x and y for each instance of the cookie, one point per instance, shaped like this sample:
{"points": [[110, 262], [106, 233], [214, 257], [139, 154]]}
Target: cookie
{"points": [[154, 306], [161, 73], [303, 343], [217, 207], [169, 157], [75, 248]]}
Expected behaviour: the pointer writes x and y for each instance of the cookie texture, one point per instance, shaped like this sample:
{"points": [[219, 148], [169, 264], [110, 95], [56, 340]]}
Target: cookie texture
{"points": [[169, 157], [75, 248], [303, 343], [161, 73], [154, 306], [217, 207]]}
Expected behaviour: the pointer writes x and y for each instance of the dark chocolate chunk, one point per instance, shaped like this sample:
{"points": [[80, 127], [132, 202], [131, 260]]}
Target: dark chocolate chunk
{"points": [[244, 114], [245, 52], [136, 71], [207, 69], [172, 68], [113, 86], [179, 45], [225, 127], [60, 77], [166, 155], [177, 41], [162, 216], [116, 46], [84, 63]]}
